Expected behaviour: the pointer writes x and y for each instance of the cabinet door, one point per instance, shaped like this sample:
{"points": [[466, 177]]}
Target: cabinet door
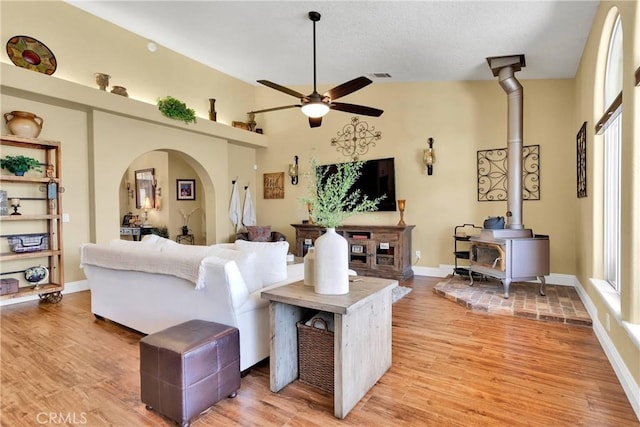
{"points": [[303, 244], [386, 255], [305, 238], [360, 254]]}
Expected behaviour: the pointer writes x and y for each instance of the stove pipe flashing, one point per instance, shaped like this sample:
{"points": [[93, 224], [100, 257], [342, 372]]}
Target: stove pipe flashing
{"points": [[504, 68]]}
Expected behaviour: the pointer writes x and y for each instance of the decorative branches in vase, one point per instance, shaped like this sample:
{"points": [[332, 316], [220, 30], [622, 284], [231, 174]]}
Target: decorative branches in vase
{"points": [[332, 200], [185, 220]]}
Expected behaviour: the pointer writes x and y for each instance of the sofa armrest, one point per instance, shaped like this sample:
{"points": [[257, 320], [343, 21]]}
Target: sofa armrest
{"points": [[223, 277]]}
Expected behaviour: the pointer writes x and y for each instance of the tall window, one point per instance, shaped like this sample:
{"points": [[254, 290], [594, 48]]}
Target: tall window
{"points": [[612, 124]]}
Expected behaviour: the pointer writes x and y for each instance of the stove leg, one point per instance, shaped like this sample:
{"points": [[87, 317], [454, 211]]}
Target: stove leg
{"points": [[505, 285], [542, 283], [470, 278]]}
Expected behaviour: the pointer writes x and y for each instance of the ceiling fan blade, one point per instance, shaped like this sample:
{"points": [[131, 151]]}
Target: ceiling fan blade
{"points": [[274, 109], [356, 109], [348, 87], [315, 122], [281, 88]]}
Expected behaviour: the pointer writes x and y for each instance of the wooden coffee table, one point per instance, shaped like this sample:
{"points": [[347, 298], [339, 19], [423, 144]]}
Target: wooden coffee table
{"points": [[362, 335]]}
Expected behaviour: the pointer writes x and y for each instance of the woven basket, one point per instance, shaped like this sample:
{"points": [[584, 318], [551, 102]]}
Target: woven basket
{"points": [[315, 355], [28, 242]]}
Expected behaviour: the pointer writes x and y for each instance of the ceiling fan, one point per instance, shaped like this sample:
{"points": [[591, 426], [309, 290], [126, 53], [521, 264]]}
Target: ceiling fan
{"points": [[314, 105]]}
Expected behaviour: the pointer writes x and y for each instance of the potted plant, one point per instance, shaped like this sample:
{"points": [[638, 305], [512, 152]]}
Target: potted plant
{"points": [[161, 231], [332, 200], [176, 109], [19, 165]]}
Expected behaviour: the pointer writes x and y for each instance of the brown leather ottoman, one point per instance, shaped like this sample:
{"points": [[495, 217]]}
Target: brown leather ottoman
{"points": [[187, 368]]}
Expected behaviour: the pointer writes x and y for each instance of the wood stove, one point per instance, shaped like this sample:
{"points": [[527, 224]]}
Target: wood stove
{"points": [[510, 256], [513, 253]]}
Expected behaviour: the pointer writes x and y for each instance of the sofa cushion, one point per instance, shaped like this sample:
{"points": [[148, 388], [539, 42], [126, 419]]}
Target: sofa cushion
{"points": [[133, 245], [156, 242], [247, 264], [193, 250], [272, 259], [259, 233]]}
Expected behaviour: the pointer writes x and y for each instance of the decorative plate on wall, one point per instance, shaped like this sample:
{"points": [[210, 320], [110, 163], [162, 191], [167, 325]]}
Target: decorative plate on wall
{"points": [[27, 52]]}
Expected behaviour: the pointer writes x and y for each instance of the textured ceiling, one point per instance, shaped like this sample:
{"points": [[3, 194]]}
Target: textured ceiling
{"points": [[411, 40]]}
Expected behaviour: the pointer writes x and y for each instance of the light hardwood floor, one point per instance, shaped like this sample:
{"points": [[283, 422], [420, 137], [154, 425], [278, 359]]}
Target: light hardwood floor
{"points": [[451, 367]]}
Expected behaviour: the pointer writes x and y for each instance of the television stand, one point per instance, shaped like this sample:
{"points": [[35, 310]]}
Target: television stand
{"points": [[374, 250]]}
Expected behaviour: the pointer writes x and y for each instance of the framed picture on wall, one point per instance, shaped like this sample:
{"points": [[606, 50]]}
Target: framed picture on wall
{"points": [[581, 160], [274, 185], [186, 189]]}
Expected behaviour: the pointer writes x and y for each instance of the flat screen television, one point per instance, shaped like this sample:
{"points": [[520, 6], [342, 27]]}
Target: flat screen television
{"points": [[377, 177]]}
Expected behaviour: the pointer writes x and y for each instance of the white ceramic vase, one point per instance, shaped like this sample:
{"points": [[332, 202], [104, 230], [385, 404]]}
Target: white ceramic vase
{"points": [[332, 264]]}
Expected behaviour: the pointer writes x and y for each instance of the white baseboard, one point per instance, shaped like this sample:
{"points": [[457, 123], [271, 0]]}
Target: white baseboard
{"points": [[69, 288], [628, 383]]}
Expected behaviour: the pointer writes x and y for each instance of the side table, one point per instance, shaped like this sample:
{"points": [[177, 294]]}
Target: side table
{"points": [[362, 320], [185, 238]]}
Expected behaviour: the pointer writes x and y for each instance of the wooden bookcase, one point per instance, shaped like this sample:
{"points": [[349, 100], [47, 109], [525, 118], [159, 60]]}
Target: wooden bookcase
{"points": [[374, 250], [40, 213]]}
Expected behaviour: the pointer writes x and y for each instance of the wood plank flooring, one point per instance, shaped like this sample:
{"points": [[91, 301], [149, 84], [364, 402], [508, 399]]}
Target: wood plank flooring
{"points": [[451, 367]]}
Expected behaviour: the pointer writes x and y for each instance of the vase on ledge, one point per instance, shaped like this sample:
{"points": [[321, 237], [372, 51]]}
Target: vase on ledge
{"points": [[185, 230], [213, 115], [332, 264]]}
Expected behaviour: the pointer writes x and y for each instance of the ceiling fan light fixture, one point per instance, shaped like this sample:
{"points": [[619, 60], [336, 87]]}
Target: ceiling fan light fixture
{"points": [[315, 109]]}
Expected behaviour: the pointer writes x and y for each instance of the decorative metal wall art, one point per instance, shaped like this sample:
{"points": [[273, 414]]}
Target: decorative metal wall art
{"points": [[355, 138], [581, 160], [492, 174]]}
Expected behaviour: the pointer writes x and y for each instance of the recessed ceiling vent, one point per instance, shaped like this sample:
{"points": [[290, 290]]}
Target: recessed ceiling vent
{"points": [[381, 75]]}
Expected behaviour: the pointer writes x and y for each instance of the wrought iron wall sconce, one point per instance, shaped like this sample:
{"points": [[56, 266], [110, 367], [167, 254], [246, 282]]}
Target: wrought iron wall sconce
{"points": [[293, 171], [130, 192], [429, 157], [158, 198]]}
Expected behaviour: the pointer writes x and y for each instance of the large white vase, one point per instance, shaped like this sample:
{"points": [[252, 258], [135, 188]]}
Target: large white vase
{"points": [[332, 264]]}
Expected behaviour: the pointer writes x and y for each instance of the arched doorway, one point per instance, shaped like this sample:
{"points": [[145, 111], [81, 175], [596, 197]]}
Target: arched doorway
{"points": [[170, 209]]}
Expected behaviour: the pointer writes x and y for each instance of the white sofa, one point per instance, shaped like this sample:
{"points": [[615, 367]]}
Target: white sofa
{"points": [[156, 283]]}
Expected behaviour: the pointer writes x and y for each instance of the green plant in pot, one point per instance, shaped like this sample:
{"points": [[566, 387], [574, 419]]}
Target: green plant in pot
{"points": [[176, 109], [332, 200], [19, 165], [161, 231]]}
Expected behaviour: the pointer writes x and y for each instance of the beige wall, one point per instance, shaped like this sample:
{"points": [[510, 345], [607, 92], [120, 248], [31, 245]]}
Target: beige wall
{"points": [[622, 311], [103, 134], [84, 45], [462, 117]]}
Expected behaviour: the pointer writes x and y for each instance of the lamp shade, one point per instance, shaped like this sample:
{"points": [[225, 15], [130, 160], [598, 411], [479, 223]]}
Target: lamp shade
{"points": [[315, 109], [147, 203]]}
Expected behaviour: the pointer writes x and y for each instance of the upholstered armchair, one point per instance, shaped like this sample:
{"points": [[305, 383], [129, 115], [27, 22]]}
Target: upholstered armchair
{"points": [[261, 234]]}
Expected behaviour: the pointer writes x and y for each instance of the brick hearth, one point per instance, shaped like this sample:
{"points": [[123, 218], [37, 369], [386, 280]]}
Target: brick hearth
{"points": [[561, 303]]}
